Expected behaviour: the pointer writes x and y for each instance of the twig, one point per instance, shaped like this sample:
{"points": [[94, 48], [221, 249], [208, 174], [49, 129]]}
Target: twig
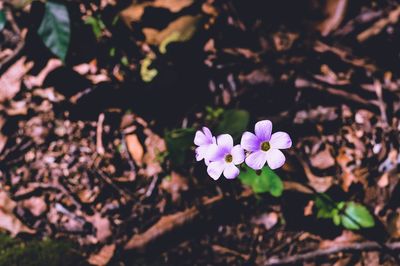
{"points": [[173, 222], [378, 26], [353, 247], [302, 83], [224, 250], [110, 182], [99, 135], [152, 186]]}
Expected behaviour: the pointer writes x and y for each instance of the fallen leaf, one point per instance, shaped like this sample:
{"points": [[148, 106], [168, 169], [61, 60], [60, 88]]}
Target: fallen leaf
{"points": [[8, 220], [175, 185], [179, 30], [335, 11], [346, 237], [394, 225], [103, 256], [320, 184], [154, 146], [102, 225], [37, 81], [269, 220], [36, 205], [384, 180], [135, 11], [322, 159], [10, 81], [135, 148]]}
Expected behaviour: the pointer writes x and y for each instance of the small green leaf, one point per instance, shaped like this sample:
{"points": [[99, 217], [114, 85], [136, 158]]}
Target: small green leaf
{"points": [[97, 25], [357, 216], [178, 143], [55, 29], [233, 122], [262, 181], [324, 206], [336, 218], [2, 20]]}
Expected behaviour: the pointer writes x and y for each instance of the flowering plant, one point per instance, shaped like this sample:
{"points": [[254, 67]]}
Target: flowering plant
{"points": [[259, 151], [253, 162]]}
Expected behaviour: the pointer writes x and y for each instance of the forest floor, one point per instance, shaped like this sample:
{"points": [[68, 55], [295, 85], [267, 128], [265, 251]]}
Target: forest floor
{"points": [[97, 148]]}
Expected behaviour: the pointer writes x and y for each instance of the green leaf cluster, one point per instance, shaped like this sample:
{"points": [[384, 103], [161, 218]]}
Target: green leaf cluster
{"points": [[262, 181], [97, 25], [350, 215]]}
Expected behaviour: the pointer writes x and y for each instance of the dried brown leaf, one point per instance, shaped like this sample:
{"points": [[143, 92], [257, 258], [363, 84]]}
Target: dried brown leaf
{"points": [[102, 225], [154, 145], [8, 220], [181, 29], [322, 159], [10, 81], [135, 148], [335, 11], [175, 185], [269, 220], [103, 256], [135, 11], [36, 205]]}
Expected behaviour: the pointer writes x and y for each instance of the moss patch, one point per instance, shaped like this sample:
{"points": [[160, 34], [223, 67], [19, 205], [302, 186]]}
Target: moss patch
{"points": [[14, 252]]}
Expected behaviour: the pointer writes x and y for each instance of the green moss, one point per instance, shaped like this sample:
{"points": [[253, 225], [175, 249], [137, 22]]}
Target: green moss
{"points": [[14, 252]]}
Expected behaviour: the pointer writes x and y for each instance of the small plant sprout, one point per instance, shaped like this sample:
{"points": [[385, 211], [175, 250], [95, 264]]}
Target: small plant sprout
{"points": [[264, 147], [225, 159], [206, 143]]}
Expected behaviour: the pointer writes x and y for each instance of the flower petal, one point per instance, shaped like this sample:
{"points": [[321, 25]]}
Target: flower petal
{"points": [[200, 138], [201, 152], [256, 160], [238, 154], [263, 130], [280, 140], [207, 133], [215, 169], [275, 158], [250, 142], [231, 171], [225, 142], [216, 153], [212, 152]]}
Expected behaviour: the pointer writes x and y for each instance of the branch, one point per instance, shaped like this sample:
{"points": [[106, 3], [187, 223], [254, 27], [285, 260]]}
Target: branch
{"points": [[172, 223], [349, 248]]}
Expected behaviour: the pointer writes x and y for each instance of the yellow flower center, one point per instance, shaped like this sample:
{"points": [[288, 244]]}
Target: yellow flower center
{"points": [[265, 146], [228, 158]]}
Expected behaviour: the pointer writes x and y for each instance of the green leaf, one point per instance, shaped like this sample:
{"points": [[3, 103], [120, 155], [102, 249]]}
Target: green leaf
{"points": [[97, 25], [2, 20], [325, 208], [262, 181], [357, 216], [336, 217], [233, 122], [178, 143], [55, 29]]}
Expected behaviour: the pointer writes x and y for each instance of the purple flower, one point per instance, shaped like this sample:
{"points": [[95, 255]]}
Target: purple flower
{"points": [[264, 147], [206, 143], [225, 158]]}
